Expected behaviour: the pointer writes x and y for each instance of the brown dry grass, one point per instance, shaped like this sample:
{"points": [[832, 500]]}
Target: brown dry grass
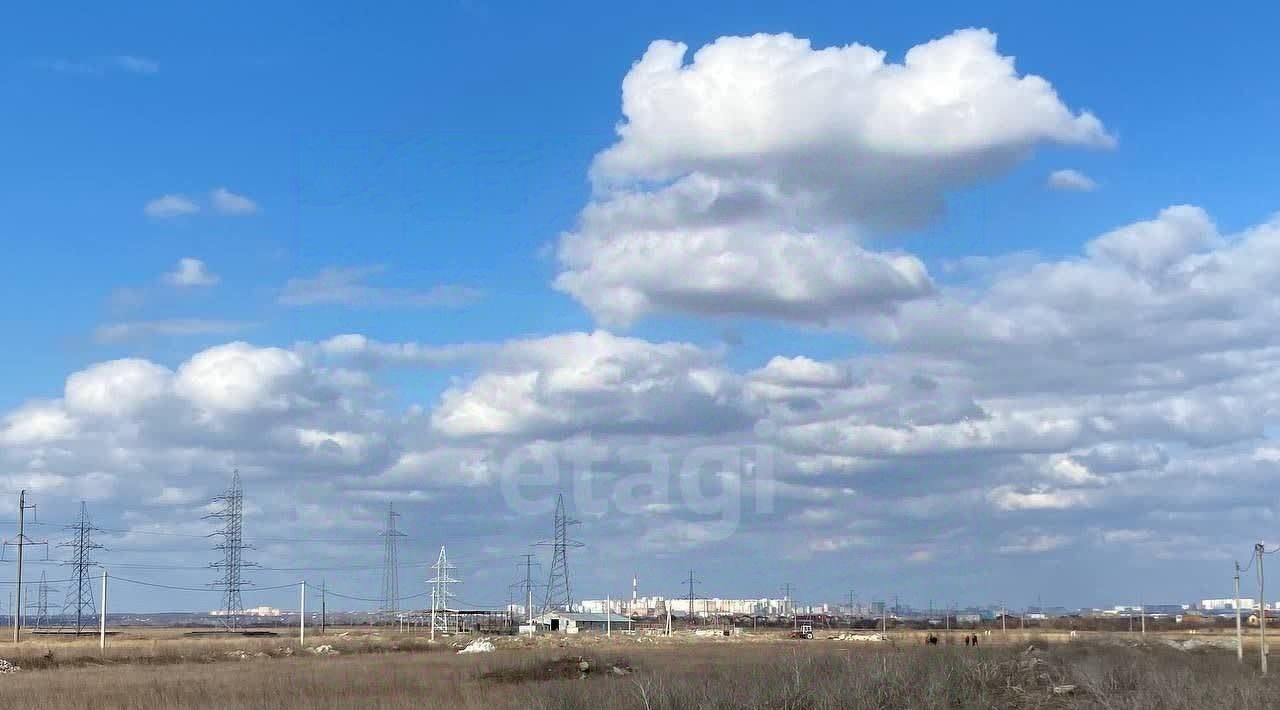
{"points": [[179, 673]]}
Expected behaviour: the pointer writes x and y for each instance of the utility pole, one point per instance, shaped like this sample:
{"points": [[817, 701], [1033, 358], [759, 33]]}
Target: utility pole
{"points": [[1239, 636], [851, 608], [1142, 609], [1262, 610], [323, 620], [20, 541], [529, 564], [302, 613], [102, 618]]}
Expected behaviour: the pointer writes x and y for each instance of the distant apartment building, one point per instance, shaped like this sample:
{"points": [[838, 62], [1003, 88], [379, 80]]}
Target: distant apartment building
{"points": [[260, 611], [1246, 604]]}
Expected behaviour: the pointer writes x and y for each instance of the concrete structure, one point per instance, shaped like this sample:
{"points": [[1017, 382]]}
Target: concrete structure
{"points": [[573, 622]]}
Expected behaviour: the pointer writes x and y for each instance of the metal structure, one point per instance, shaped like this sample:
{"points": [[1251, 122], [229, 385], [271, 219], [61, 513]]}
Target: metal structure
{"points": [[559, 590], [391, 566], [79, 599], [20, 542], [691, 581], [232, 546], [41, 605], [526, 586], [441, 614]]}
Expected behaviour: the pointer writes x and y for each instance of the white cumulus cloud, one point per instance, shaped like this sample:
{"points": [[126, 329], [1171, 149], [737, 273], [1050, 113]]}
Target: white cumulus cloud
{"points": [[1071, 181], [169, 206], [742, 180], [190, 272], [227, 202]]}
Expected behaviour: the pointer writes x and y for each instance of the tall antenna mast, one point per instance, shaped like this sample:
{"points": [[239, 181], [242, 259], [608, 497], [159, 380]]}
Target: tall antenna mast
{"points": [[79, 600], [559, 591], [391, 565], [232, 546]]}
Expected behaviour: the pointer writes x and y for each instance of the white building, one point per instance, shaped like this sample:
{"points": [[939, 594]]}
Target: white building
{"points": [[1246, 604], [573, 622], [658, 606], [260, 611]]}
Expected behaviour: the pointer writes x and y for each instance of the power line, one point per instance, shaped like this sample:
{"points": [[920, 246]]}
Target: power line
{"points": [[196, 536]]}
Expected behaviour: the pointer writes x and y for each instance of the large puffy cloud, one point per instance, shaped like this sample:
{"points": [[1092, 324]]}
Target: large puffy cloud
{"points": [[624, 270], [599, 382], [954, 103], [116, 388], [741, 179]]}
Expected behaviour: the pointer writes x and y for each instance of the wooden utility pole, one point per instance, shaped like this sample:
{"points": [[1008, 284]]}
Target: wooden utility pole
{"points": [[323, 620]]}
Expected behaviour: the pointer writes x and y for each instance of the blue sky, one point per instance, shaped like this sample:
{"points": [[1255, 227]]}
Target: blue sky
{"points": [[438, 175]]}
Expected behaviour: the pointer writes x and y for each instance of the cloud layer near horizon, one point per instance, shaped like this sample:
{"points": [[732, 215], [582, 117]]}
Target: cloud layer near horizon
{"points": [[1025, 411]]}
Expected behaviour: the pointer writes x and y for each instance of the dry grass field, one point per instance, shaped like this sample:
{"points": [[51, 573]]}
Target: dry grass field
{"points": [[158, 670]]}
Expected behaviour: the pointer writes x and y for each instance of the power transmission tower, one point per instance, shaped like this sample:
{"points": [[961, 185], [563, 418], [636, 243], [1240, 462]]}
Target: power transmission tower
{"points": [[232, 546], [527, 585], [79, 598], [391, 565], [21, 541], [691, 581], [42, 601], [440, 594], [559, 590]]}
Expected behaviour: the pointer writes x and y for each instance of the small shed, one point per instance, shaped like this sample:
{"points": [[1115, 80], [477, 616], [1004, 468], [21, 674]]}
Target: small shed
{"points": [[573, 622]]}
